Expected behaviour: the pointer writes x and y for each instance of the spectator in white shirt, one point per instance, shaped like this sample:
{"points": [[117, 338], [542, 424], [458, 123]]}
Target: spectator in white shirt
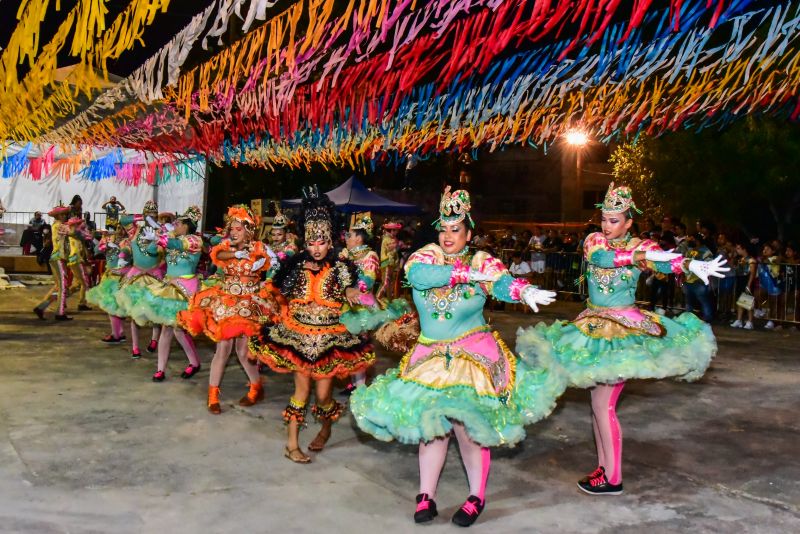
{"points": [[519, 267]]}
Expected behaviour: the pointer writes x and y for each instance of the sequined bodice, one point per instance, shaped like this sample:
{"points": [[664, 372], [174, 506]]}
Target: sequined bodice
{"points": [[612, 287]]}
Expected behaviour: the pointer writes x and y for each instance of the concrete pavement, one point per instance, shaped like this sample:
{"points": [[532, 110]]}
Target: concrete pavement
{"points": [[88, 443]]}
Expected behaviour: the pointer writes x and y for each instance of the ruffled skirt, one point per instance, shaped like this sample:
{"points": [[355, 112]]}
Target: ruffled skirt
{"points": [[318, 351], [606, 346], [160, 303], [220, 315], [130, 290], [474, 380], [104, 294]]}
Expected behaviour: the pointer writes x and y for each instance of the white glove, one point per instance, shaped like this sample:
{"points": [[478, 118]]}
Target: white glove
{"points": [[534, 297], [169, 227], [152, 222], [241, 254], [273, 258], [148, 234], [477, 276], [111, 244], [122, 263], [660, 255], [259, 263], [704, 269]]}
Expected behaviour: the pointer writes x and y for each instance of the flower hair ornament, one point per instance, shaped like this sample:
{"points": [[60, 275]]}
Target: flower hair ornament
{"points": [[244, 216], [363, 222], [318, 213], [280, 221], [192, 213], [454, 208], [618, 200], [150, 208]]}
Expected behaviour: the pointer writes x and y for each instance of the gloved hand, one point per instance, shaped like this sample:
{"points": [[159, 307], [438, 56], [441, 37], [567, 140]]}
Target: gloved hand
{"points": [[704, 269], [241, 254], [111, 244], [259, 263], [273, 258], [535, 297], [660, 255], [122, 263], [152, 222], [148, 234]]}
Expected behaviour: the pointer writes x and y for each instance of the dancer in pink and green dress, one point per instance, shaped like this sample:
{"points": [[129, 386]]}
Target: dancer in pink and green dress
{"points": [[159, 303], [613, 340], [460, 378]]}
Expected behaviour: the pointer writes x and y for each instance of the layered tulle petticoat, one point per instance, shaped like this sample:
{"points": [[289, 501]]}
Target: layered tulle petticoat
{"points": [[130, 287], [473, 379], [104, 294], [610, 345], [160, 303]]}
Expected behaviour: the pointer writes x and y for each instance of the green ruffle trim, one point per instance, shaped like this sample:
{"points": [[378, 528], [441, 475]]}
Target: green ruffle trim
{"points": [[366, 319], [128, 297], [392, 408], [158, 310], [685, 352], [104, 296]]}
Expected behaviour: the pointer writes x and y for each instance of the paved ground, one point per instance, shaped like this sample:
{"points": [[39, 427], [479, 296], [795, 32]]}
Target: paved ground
{"points": [[89, 444]]}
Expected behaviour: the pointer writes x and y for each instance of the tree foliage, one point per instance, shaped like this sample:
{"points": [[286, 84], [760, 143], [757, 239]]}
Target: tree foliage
{"points": [[747, 176]]}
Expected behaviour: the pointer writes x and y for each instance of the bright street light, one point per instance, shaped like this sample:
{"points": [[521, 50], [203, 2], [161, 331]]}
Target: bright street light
{"points": [[576, 138]]}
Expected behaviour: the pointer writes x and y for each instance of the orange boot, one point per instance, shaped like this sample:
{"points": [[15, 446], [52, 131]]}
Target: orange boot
{"points": [[213, 400], [255, 394]]}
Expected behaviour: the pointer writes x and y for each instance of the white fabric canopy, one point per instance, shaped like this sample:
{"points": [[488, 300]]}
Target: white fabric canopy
{"points": [[21, 194]]}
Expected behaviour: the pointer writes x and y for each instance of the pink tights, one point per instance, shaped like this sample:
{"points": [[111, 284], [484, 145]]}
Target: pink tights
{"points": [[607, 430], [116, 326], [476, 460], [135, 335], [165, 343], [221, 356]]}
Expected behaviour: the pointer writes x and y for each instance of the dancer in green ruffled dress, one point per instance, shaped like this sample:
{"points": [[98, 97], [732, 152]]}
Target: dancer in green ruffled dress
{"points": [[160, 302], [460, 378], [613, 340], [370, 313], [115, 245]]}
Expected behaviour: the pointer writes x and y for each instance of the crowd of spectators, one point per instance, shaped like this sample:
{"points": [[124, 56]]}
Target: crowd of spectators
{"points": [[762, 284]]}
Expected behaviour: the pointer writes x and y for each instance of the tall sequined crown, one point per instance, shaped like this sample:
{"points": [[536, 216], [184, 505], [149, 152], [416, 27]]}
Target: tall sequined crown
{"points": [[280, 221], [318, 213], [618, 200], [363, 222], [454, 208], [192, 213], [150, 208], [243, 215]]}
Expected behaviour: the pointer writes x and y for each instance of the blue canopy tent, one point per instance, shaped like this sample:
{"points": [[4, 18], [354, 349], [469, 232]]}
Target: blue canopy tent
{"points": [[353, 197]]}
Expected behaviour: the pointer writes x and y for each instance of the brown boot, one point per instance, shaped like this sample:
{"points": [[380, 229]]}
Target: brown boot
{"points": [[213, 400], [255, 394]]}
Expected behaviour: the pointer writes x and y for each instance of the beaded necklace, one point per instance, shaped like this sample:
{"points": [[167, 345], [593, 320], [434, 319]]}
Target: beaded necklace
{"points": [[443, 300], [356, 251]]}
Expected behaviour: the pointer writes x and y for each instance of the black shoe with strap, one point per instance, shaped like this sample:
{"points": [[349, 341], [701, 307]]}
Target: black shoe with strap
{"points": [[426, 509], [600, 486], [469, 511], [63, 318]]}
